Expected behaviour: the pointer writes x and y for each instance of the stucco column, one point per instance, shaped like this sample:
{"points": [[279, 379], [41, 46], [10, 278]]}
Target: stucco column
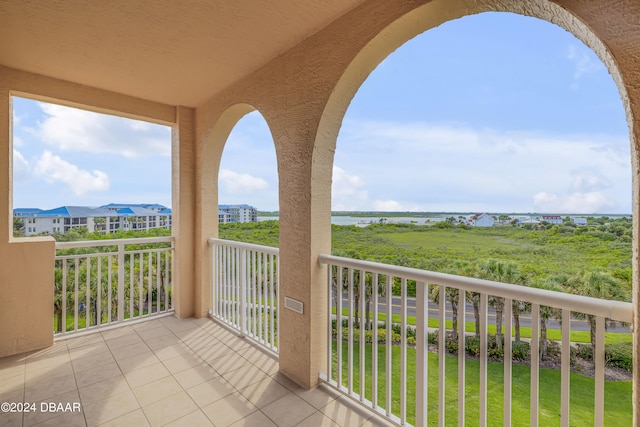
{"points": [[305, 232], [26, 280], [183, 211]]}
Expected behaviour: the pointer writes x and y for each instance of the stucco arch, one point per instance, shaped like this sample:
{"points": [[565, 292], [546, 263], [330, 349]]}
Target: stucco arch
{"points": [[583, 21], [209, 159]]}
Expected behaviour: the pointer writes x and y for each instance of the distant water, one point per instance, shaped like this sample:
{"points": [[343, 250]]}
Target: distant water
{"points": [[364, 221]]}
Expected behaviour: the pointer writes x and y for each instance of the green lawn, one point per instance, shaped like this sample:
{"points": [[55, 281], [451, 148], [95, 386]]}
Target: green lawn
{"points": [[617, 394]]}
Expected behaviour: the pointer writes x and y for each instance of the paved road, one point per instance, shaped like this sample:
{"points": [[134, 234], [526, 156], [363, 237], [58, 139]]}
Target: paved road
{"points": [[525, 319]]}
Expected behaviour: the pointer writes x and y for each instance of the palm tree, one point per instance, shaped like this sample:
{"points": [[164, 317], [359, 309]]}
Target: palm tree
{"points": [[553, 283], [452, 296], [499, 271], [598, 284]]}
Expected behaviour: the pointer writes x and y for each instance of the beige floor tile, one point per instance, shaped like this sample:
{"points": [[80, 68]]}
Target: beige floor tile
{"points": [[156, 390], [118, 332], [135, 418], [124, 341], [317, 419], [103, 390], [92, 361], [97, 374], [345, 413], [12, 395], [245, 376], [48, 362], [375, 421], [211, 353], [89, 350], [229, 410], [169, 409], [68, 419], [318, 397], [146, 334], [43, 413], [285, 381], [228, 363], [109, 409], [239, 344], [162, 341], [40, 390], [210, 391], [138, 361], [12, 384], [11, 420], [182, 362], [146, 375], [194, 419], [12, 361], [264, 392], [130, 351], [172, 351], [84, 340], [57, 349], [256, 419], [288, 410], [194, 376]]}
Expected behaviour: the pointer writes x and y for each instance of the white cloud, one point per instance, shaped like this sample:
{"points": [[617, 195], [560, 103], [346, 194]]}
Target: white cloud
{"points": [[78, 130], [236, 182], [584, 62], [582, 203], [441, 167], [346, 191], [395, 206], [585, 181], [21, 169], [54, 169]]}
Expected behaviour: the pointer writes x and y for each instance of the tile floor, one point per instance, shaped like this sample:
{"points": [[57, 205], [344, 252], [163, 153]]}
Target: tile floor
{"points": [[166, 371]]}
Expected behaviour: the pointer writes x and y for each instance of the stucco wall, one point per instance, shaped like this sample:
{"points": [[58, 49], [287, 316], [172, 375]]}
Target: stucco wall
{"points": [[26, 296]]}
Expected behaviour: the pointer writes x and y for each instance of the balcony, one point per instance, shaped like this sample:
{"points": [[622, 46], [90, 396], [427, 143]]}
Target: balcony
{"points": [[301, 78], [165, 371]]}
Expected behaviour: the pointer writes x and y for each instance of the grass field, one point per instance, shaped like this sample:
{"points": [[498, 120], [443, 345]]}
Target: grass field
{"points": [[617, 394]]}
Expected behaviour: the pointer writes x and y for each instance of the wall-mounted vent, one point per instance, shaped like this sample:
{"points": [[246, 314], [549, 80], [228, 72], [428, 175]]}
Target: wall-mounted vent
{"points": [[295, 305]]}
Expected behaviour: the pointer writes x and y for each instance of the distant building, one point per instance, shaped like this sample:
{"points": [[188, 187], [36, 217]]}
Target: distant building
{"points": [[109, 218], [551, 219], [239, 213], [482, 220], [116, 216], [579, 220]]}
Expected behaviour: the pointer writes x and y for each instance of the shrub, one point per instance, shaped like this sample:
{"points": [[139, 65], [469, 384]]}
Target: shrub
{"points": [[619, 355], [584, 351], [520, 350], [472, 345]]}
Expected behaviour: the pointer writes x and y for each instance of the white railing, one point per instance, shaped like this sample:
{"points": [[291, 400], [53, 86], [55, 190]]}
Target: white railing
{"points": [[245, 289], [102, 282], [389, 389]]}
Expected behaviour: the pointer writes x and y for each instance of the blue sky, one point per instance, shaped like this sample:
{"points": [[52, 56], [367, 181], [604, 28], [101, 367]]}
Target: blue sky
{"points": [[494, 112]]}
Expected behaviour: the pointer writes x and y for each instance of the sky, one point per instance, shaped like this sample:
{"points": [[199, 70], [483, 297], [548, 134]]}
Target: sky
{"points": [[493, 112]]}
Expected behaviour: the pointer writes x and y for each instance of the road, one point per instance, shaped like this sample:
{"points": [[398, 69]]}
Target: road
{"points": [[525, 319]]}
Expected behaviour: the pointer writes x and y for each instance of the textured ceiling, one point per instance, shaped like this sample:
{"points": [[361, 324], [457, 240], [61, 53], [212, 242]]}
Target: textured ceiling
{"points": [[172, 51]]}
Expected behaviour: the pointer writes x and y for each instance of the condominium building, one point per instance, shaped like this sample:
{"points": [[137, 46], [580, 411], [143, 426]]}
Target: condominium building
{"points": [[116, 216]]}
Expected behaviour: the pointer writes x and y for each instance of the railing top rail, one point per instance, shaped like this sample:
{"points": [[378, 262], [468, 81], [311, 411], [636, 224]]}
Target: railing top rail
{"points": [[112, 242], [267, 249], [615, 310]]}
